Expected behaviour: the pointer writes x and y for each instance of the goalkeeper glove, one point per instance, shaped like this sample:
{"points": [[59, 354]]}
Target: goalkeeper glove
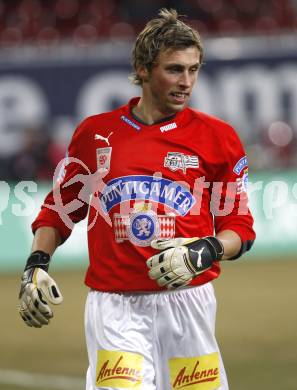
{"points": [[182, 259], [37, 289]]}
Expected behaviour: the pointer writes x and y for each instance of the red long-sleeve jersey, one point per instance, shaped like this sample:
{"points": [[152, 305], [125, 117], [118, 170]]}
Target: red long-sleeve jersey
{"points": [[183, 177]]}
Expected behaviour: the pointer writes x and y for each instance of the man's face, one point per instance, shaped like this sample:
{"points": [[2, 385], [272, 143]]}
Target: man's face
{"points": [[171, 80]]}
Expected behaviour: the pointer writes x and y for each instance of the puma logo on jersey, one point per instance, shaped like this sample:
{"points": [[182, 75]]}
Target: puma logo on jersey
{"points": [[168, 127], [106, 139]]}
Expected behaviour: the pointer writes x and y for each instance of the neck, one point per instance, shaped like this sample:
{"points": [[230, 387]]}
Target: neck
{"points": [[148, 114]]}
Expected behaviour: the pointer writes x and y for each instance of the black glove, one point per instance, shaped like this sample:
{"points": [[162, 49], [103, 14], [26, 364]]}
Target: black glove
{"points": [[178, 264], [37, 288]]}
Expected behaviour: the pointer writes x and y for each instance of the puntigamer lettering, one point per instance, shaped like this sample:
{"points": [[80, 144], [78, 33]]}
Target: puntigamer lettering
{"points": [[185, 379], [118, 372], [164, 191]]}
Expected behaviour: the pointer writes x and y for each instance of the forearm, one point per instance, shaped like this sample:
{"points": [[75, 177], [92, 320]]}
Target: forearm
{"points": [[46, 239], [231, 243]]}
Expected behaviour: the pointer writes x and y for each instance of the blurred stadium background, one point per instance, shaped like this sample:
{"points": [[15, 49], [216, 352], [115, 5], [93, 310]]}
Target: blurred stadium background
{"points": [[62, 60]]}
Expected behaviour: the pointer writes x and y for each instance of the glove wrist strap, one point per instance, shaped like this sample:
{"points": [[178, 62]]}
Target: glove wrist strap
{"points": [[38, 259], [216, 245]]}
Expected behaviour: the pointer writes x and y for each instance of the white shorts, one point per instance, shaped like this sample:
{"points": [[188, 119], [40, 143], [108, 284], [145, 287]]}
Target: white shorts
{"points": [[153, 341]]}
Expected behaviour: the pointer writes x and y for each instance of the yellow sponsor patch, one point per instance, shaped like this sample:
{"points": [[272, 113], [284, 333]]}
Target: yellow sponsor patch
{"points": [[195, 373], [119, 369]]}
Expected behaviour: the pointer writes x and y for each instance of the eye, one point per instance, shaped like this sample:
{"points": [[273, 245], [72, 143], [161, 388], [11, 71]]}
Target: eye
{"points": [[194, 69], [174, 69]]}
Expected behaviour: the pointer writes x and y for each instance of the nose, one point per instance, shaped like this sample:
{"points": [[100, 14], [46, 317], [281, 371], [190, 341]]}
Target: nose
{"points": [[185, 80]]}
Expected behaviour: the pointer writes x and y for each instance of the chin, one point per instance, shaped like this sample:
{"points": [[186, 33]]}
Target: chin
{"points": [[177, 107]]}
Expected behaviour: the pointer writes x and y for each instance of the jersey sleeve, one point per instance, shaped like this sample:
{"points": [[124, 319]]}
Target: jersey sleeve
{"points": [[67, 203], [229, 200]]}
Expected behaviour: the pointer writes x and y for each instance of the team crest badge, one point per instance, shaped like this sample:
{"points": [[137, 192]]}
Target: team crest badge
{"points": [[103, 158], [176, 160], [143, 225]]}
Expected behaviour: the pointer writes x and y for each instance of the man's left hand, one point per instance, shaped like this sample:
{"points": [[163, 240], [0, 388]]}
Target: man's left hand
{"points": [[183, 259]]}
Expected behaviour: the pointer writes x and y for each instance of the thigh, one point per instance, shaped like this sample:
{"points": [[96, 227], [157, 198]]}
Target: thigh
{"points": [[119, 342], [187, 350]]}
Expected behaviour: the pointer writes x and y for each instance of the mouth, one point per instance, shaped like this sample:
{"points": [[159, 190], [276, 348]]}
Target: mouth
{"points": [[179, 97]]}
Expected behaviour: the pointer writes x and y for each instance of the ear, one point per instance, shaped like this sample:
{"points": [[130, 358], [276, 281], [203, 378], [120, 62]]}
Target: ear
{"points": [[143, 73]]}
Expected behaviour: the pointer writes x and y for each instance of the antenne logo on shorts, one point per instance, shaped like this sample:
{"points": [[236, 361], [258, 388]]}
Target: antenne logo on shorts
{"points": [[195, 373], [119, 369]]}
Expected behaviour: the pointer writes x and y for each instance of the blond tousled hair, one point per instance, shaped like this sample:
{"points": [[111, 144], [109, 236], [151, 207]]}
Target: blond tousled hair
{"points": [[164, 32]]}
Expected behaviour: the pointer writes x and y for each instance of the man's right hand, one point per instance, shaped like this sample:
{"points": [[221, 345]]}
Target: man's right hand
{"points": [[37, 289]]}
